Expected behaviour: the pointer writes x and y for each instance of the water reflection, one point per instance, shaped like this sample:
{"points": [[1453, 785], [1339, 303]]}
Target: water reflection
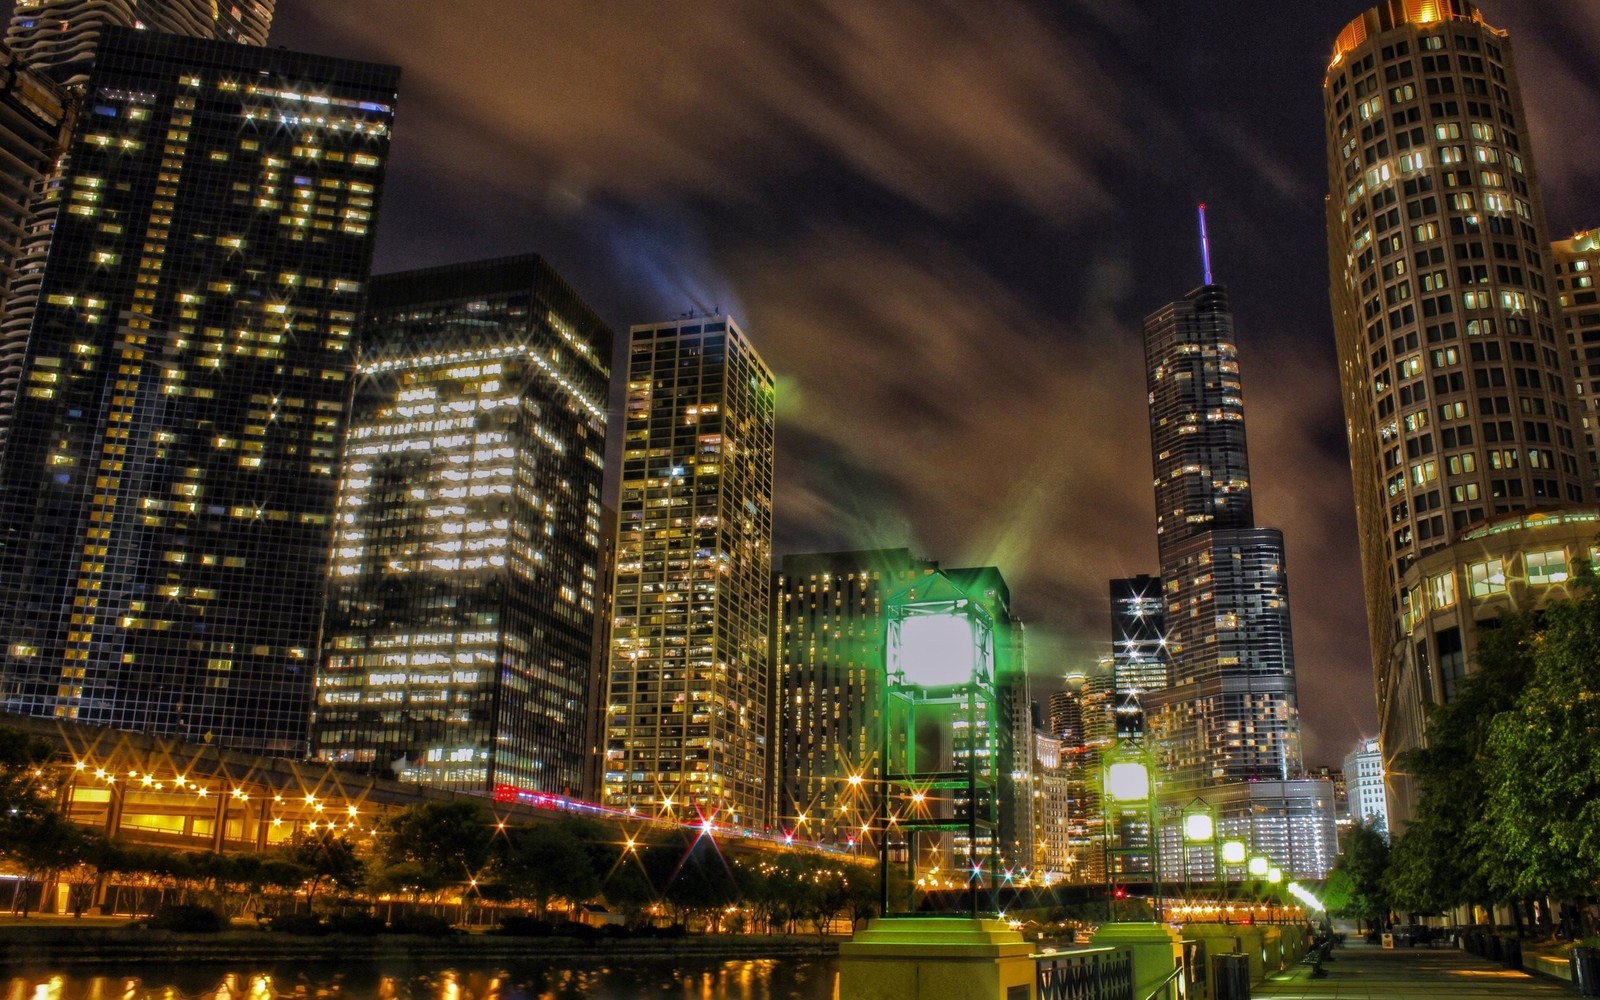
{"points": [[761, 979]]}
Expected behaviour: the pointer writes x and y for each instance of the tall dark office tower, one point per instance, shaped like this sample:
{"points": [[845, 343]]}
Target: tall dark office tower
{"points": [[1138, 634], [1228, 712], [689, 677], [168, 489], [58, 37], [460, 629], [1457, 401], [829, 659], [1576, 263]]}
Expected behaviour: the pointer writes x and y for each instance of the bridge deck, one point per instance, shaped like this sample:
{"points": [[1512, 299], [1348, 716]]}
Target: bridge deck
{"points": [[1366, 972]]}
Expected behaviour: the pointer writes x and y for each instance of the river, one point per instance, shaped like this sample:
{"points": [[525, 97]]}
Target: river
{"points": [[679, 979]]}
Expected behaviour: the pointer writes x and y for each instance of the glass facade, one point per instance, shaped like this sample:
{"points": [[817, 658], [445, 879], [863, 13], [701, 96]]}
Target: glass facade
{"points": [[169, 484], [1227, 711], [58, 37], [689, 678], [1138, 635], [466, 569], [829, 653], [1576, 263]]}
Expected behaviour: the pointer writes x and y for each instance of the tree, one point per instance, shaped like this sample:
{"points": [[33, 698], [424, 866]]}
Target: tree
{"points": [[543, 862], [324, 856], [1358, 885], [1543, 781], [430, 846], [1448, 854]]}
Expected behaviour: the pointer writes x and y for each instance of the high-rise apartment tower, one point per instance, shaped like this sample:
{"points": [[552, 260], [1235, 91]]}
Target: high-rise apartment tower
{"points": [[1456, 393], [59, 37], [689, 680], [168, 488], [466, 580]]}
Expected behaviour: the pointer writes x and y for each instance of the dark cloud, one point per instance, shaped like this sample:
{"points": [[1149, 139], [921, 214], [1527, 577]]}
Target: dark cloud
{"points": [[942, 223]]}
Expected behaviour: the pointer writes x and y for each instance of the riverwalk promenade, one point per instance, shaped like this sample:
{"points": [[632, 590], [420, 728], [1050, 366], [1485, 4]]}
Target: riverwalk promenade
{"points": [[1366, 972]]}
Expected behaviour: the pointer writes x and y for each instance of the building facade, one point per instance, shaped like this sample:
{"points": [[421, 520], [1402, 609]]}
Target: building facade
{"points": [[169, 484], [1363, 777], [1228, 711], [1456, 389], [1576, 263], [59, 37], [459, 641], [689, 674], [829, 657], [1138, 634]]}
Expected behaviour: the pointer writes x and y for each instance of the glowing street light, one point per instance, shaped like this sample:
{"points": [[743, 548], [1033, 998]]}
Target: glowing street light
{"points": [[1233, 852], [1128, 781], [1258, 866], [1198, 827]]}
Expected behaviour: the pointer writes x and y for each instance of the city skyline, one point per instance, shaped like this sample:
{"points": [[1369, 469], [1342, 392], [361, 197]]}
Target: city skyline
{"points": [[967, 247]]}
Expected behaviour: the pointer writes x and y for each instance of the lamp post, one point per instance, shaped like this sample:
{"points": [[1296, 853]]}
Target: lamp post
{"points": [[1198, 828], [1126, 781], [1232, 854]]}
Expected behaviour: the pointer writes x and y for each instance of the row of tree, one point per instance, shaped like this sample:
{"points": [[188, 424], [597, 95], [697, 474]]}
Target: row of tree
{"points": [[1509, 805], [429, 852]]}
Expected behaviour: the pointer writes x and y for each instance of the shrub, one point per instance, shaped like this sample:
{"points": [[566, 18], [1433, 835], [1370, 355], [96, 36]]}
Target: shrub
{"points": [[425, 924], [188, 918], [297, 923], [581, 932]]}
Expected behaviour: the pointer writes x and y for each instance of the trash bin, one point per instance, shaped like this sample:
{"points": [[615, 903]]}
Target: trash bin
{"points": [[1511, 953], [1233, 976], [1586, 971]]}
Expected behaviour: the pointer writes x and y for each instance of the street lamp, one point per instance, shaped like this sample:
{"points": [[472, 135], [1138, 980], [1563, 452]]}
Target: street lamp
{"points": [[1198, 828], [1127, 782]]}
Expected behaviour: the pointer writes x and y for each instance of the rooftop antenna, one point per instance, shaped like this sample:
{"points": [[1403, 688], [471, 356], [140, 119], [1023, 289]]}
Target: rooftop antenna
{"points": [[1205, 243]]}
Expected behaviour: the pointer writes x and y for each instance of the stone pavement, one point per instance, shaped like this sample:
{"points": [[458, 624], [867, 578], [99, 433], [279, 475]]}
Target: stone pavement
{"points": [[1366, 972]]}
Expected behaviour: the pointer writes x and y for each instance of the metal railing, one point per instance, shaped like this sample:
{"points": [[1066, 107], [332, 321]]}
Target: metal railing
{"points": [[1087, 974]]}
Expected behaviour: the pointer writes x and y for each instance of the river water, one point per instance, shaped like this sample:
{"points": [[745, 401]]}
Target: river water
{"points": [[693, 979]]}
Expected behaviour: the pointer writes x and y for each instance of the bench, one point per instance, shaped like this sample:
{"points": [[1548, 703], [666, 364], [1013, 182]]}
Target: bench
{"points": [[1321, 951]]}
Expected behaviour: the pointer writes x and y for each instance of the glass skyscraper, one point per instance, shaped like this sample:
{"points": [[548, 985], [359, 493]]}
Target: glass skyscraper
{"points": [[462, 608], [1138, 635], [1228, 712], [168, 488], [690, 670]]}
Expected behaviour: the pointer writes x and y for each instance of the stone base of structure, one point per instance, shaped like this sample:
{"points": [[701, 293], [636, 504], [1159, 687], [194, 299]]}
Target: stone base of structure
{"points": [[935, 958], [1157, 949]]}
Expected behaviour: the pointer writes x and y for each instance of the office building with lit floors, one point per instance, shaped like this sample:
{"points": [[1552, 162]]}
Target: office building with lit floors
{"points": [[1576, 263], [459, 637], [60, 37], [828, 655], [1458, 392], [168, 488], [690, 675], [1138, 634]]}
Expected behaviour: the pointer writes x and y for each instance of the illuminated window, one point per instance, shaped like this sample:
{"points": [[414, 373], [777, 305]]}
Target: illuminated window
{"points": [[1546, 567], [1442, 591], [1487, 577]]}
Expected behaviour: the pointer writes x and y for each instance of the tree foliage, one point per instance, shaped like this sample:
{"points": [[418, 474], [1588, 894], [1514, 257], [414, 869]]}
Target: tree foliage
{"points": [[430, 846], [1357, 885]]}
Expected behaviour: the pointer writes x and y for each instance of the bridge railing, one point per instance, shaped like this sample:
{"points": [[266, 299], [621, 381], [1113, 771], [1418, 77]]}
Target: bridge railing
{"points": [[1086, 974]]}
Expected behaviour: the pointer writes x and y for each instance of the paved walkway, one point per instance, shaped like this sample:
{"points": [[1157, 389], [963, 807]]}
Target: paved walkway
{"points": [[1366, 972]]}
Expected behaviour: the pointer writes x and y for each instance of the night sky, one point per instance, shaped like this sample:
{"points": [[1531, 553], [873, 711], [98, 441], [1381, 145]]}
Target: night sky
{"points": [[941, 224]]}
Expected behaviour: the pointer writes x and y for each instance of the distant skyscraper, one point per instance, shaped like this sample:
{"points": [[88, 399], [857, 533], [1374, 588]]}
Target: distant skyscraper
{"points": [[1228, 712], [1577, 264], [689, 674], [1138, 635], [459, 639], [1363, 776], [1457, 399], [829, 662], [168, 488], [58, 37], [1066, 718]]}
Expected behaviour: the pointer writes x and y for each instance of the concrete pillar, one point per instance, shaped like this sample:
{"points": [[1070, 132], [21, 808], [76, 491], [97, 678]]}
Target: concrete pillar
{"points": [[936, 958], [1157, 950]]}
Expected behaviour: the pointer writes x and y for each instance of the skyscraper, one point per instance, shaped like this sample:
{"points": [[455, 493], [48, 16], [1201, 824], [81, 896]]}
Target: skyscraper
{"points": [[1576, 263], [689, 678], [58, 37], [168, 489], [1457, 401], [1228, 712], [461, 617], [1363, 775], [828, 655], [1138, 635]]}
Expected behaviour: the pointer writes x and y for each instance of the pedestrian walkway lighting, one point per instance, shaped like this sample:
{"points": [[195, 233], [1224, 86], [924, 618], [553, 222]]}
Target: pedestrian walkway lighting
{"points": [[1233, 852], [1258, 866], [1274, 875], [1128, 781]]}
